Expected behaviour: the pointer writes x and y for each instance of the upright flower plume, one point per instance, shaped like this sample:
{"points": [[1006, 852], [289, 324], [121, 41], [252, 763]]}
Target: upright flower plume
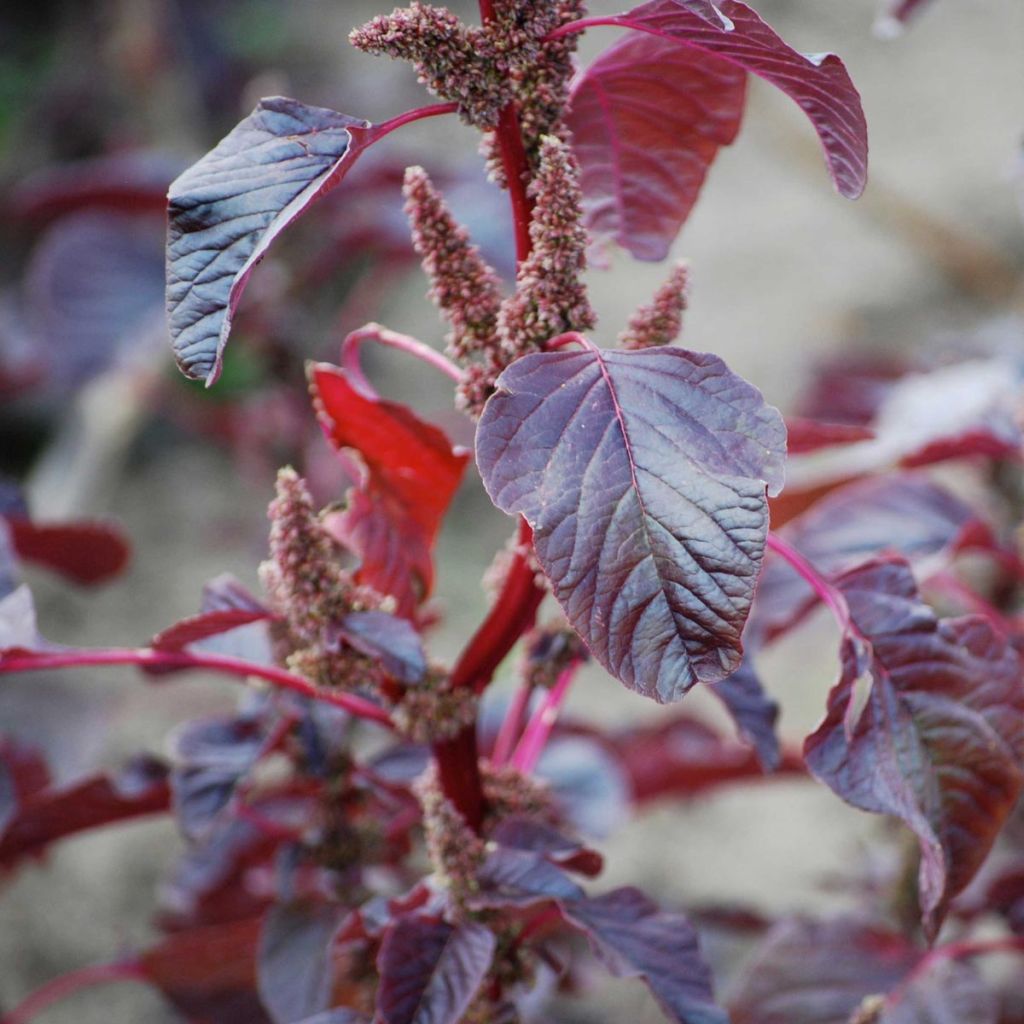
{"points": [[550, 296], [463, 286], [661, 322]]}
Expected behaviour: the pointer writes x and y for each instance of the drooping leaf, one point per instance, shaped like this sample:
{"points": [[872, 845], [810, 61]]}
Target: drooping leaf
{"points": [[753, 711], [940, 740], [209, 974], [226, 210], [294, 968], [643, 475], [47, 815], [647, 118], [430, 970], [84, 552], [817, 83], [394, 642], [633, 938], [819, 972], [205, 625], [412, 473]]}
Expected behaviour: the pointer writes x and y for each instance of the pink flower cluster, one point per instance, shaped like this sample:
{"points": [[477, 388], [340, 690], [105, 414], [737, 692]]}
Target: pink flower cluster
{"points": [[661, 322]]}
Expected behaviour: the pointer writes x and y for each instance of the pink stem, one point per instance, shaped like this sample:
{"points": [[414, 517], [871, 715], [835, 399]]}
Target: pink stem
{"points": [[512, 725], [535, 738], [67, 984], [573, 28], [435, 110], [147, 657], [832, 598], [403, 342]]}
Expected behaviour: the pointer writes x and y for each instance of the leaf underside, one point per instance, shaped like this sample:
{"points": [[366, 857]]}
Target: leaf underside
{"points": [[643, 476], [226, 209]]}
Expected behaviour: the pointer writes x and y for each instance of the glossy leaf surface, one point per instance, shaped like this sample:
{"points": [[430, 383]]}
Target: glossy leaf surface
{"points": [[412, 473], [940, 740], [817, 83], [643, 476], [226, 210], [430, 970], [647, 118]]}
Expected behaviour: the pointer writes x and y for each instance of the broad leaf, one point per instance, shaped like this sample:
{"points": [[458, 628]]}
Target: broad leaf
{"points": [[294, 970], [412, 474], [47, 815], [430, 970], [643, 476], [818, 83], [819, 972], [634, 939], [940, 740], [390, 640], [227, 209], [647, 119]]}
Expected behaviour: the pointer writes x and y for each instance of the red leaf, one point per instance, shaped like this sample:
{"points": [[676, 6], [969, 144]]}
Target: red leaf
{"points": [[205, 625], [643, 475], [412, 474], [818, 83], [23, 774], [50, 814], [647, 119], [83, 552], [940, 740], [809, 435], [431, 970]]}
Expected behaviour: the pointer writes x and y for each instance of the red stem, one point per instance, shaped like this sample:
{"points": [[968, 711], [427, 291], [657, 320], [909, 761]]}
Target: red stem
{"points": [[517, 174], [512, 725], [535, 738], [147, 657], [403, 342], [435, 110], [573, 28], [67, 984]]}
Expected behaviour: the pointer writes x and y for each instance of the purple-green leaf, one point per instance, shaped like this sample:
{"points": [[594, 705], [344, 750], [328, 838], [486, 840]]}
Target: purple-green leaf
{"points": [[939, 742], [430, 970], [226, 210], [643, 475], [647, 119]]}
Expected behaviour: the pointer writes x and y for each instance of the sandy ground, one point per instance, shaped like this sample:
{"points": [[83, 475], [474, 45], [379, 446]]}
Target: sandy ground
{"points": [[783, 271]]}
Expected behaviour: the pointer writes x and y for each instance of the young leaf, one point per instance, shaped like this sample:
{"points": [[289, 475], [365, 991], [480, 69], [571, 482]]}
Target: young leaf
{"points": [[412, 474], [647, 119], [430, 970], [227, 209], [940, 741], [753, 711], [634, 939], [818, 83], [294, 969], [643, 476], [394, 642]]}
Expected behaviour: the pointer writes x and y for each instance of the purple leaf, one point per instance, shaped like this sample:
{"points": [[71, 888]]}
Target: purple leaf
{"points": [[647, 119], [205, 625], [294, 970], [521, 833], [431, 970], [520, 878], [634, 939], [643, 475], [940, 740], [227, 209], [340, 1015], [754, 713], [818, 83], [809, 972], [392, 641], [226, 593]]}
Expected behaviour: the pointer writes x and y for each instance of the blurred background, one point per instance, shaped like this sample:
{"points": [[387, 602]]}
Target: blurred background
{"points": [[103, 102]]}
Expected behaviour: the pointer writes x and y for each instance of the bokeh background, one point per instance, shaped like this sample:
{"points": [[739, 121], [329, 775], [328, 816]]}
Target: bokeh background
{"points": [[95, 421]]}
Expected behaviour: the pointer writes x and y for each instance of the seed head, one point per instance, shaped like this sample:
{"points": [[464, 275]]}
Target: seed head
{"points": [[661, 322]]}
